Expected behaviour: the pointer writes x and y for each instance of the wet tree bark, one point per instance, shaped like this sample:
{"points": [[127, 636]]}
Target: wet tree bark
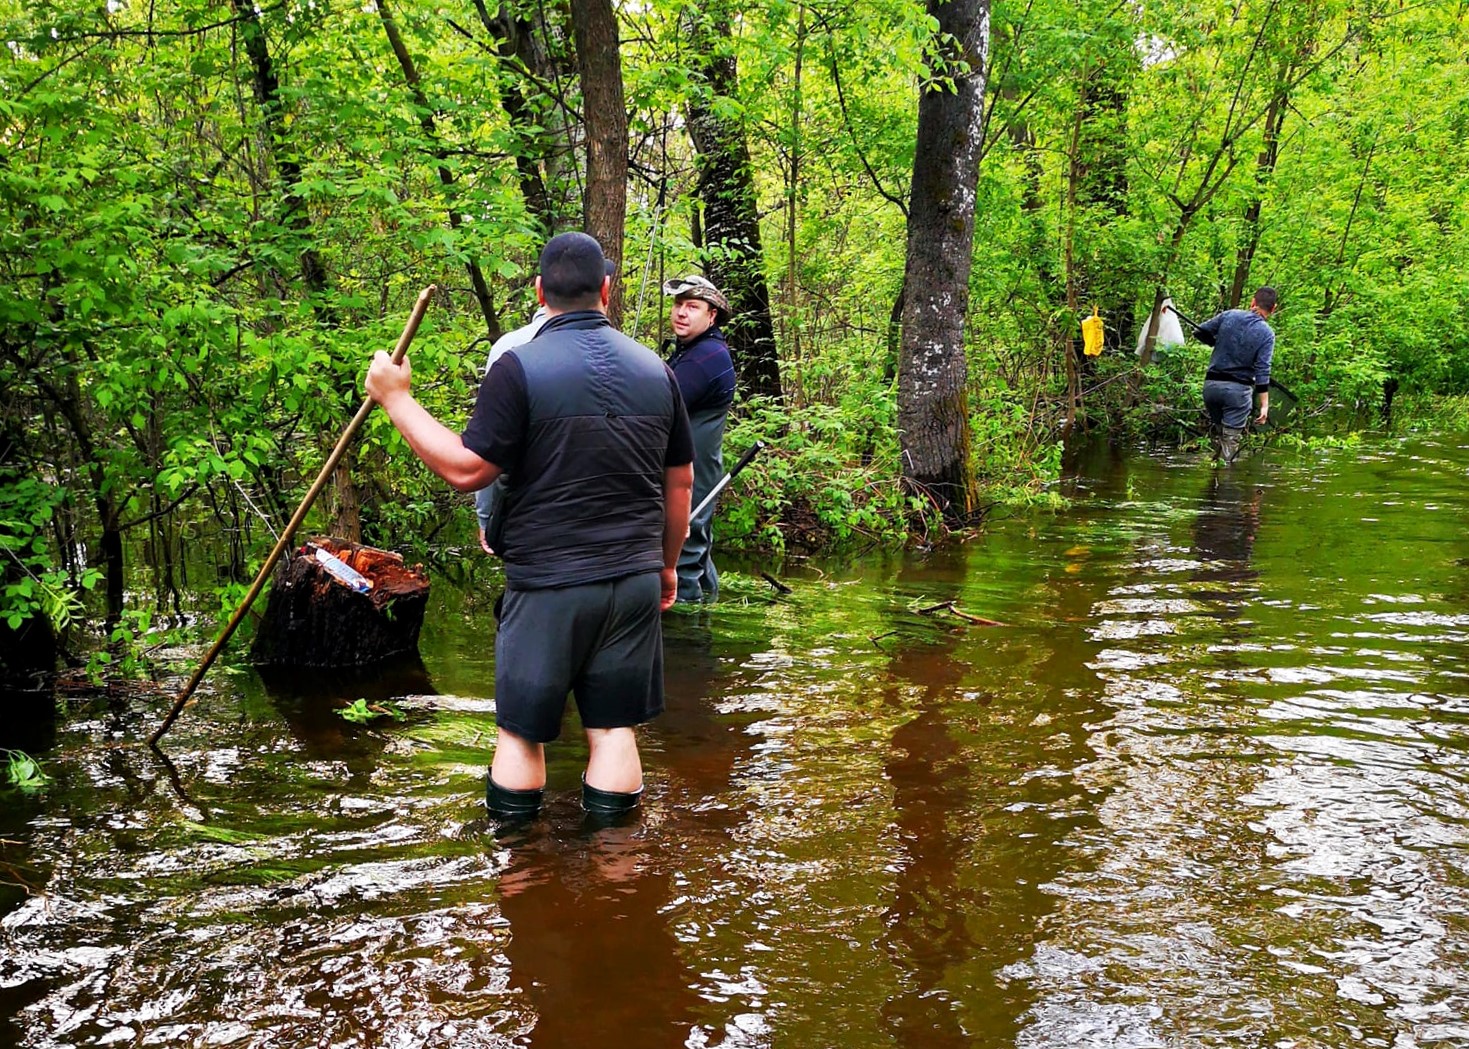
{"points": [[933, 402], [731, 232], [312, 620], [605, 114]]}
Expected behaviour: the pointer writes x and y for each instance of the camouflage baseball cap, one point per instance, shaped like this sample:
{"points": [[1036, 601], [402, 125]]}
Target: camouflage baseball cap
{"points": [[694, 286]]}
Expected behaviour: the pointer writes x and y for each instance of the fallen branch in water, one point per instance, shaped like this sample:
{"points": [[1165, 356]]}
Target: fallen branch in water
{"points": [[779, 586], [950, 606]]}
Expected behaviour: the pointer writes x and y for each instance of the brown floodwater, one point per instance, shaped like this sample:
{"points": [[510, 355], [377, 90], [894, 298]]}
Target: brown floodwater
{"points": [[1207, 786]]}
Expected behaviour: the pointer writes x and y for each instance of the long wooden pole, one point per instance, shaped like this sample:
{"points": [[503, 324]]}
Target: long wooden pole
{"points": [[409, 330]]}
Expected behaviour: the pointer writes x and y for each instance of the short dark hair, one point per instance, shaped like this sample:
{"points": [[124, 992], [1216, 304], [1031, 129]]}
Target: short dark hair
{"points": [[572, 271], [1266, 298]]}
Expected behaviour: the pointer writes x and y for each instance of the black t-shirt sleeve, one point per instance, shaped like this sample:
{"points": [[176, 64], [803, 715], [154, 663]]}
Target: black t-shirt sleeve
{"points": [[496, 430], [681, 437]]}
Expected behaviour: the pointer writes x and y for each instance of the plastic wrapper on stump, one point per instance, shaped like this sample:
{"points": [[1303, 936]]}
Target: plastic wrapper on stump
{"points": [[312, 619]]}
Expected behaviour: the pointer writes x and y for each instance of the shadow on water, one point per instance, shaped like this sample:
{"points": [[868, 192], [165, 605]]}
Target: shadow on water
{"points": [[310, 701], [934, 792], [1224, 533], [990, 723], [589, 947], [597, 916]]}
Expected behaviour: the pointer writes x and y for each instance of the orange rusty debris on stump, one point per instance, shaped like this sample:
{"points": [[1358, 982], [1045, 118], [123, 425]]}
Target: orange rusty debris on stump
{"points": [[314, 620]]}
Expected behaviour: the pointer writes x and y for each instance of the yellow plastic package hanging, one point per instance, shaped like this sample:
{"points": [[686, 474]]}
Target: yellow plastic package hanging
{"points": [[1091, 334]]}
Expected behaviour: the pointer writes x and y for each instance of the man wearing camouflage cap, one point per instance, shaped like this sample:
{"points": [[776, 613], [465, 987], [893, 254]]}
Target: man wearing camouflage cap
{"points": [[701, 363]]}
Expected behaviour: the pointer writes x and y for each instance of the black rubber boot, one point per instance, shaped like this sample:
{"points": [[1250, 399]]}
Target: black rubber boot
{"points": [[608, 804], [507, 804], [1229, 445]]}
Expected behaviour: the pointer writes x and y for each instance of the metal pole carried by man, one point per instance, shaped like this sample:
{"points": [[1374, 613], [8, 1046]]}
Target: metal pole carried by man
{"points": [[592, 437], [1244, 346]]}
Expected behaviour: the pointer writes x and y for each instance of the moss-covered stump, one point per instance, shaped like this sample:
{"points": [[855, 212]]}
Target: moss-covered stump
{"points": [[313, 620]]}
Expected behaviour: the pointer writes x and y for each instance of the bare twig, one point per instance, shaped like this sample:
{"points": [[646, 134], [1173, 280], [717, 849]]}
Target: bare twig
{"points": [[952, 607], [781, 587]]}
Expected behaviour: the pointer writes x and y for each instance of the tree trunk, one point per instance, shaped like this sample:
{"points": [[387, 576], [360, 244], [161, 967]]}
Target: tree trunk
{"points": [[894, 340], [1067, 337], [1103, 279], [311, 620], [605, 114], [293, 210], [538, 122], [933, 402], [1264, 167], [446, 177], [793, 187], [109, 513], [346, 507], [731, 210], [1269, 154]]}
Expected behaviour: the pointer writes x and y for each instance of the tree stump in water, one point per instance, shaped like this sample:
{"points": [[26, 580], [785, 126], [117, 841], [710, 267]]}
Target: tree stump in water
{"points": [[313, 620]]}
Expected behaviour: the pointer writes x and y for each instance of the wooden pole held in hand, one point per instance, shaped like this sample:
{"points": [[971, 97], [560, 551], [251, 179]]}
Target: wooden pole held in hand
{"points": [[409, 330]]}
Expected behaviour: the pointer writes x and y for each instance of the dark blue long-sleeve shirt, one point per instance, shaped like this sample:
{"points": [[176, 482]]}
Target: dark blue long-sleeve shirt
{"points": [[1243, 347], [705, 372]]}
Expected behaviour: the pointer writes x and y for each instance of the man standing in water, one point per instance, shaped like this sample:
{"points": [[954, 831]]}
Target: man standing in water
{"points": [[1243, 347], [706, 378], [590, 432], [487, 501]]}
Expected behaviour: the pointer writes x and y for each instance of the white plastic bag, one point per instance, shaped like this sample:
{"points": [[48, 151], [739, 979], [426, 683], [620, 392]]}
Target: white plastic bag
{"points": [[1170, 331]]}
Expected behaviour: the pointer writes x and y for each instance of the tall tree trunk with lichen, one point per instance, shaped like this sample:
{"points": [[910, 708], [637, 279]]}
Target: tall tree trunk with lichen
{"points": [[731, 209], [933, 401]]}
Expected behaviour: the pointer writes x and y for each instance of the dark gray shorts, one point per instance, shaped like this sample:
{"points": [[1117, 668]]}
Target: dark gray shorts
{"points": [[1228, 403], [603, 642]]}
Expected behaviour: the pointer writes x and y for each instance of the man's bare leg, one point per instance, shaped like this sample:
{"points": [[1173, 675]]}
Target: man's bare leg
{"points": [[519, 764], [614, 764]]}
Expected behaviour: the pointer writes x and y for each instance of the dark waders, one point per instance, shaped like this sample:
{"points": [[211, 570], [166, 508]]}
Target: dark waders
{"points": [[698, 579], [1227, 420]]}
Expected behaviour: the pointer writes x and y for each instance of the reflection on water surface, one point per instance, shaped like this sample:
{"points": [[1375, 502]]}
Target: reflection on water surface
{"points": [[1207, 787]]}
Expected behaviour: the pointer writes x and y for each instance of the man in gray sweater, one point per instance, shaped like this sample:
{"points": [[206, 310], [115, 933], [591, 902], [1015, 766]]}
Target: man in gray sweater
{"points": [[1243, 347]]}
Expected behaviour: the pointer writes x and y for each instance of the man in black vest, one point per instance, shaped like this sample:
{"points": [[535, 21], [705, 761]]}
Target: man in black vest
{"points": [[593, 440]]}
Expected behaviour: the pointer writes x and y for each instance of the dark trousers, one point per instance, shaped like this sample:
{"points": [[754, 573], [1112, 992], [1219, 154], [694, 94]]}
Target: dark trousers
{"points": [[1228, 404], [698, 579]]}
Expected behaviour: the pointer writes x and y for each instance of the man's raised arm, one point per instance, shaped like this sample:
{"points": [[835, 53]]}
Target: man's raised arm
{"points": [[441, 449]]}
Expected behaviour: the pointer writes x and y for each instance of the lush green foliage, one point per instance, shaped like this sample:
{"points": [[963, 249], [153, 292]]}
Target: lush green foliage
{"points": [[23, 772], [360, 712], [172, 372]]}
